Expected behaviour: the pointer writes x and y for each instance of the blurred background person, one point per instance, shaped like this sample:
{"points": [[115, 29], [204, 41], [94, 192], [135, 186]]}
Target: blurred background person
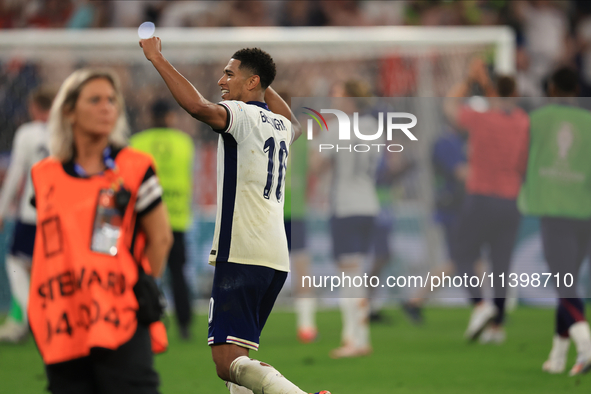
{"points": [[557, 190], [498, 139], [384, 226], [173, 152], [391, 167], [296, 187], [29, 146], [450, 167], [354, 206], [545, 29], [102, 228]]}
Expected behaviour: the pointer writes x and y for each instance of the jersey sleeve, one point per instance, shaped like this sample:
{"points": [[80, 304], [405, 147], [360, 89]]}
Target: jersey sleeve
{"points": [[238, 123], [149, 195]]}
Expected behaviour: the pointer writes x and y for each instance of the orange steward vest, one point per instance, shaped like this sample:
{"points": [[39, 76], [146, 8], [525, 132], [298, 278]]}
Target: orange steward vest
{"points": [[80, 299]]}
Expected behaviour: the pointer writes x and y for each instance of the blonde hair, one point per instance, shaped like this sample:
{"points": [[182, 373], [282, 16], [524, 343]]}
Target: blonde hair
{"points": [[61, 136]]}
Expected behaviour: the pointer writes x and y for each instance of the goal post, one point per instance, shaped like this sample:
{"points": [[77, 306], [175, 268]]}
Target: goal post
{"points": [[403, 61], [284, 42]]}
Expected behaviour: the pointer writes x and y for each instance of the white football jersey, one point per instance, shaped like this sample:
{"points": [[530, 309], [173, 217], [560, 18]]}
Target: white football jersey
{"points": [[353, 189], [30, 145], [251, 164]]}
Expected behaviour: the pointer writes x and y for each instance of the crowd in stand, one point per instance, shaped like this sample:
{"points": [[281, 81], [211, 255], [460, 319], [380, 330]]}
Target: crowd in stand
{"points": [[549, 32]]}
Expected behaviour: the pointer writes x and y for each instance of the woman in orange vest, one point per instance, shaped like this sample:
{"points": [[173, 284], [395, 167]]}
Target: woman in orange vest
{"points": [[101, 226]]}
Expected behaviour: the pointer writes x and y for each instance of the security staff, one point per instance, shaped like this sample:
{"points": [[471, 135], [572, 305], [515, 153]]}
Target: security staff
{"points": [[101, 226]]}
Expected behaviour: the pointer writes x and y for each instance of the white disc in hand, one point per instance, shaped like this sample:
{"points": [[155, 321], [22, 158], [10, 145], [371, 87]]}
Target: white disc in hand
{"points": [[146, 30]]}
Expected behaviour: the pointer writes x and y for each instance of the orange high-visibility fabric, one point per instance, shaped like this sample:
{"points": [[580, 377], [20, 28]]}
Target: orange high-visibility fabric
{"points": [[80, 299]]}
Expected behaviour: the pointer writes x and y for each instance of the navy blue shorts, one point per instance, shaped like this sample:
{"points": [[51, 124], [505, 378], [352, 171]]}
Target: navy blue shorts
{"points": [[352, 234], [23, 240], [242, 298], [296, 234]]}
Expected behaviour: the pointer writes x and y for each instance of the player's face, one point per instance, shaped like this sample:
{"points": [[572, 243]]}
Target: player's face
{"points": [[96, 110], [234, 81]]}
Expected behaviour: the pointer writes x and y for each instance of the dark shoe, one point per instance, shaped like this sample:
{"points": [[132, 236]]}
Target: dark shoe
{"points": [[378, 317], [185, 333], [413, 312]]}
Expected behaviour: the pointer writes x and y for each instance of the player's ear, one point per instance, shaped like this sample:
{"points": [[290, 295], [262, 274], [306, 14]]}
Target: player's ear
{"points": [[253, 82]]}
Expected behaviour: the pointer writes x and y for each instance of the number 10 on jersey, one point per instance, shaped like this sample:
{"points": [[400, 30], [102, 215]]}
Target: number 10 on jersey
{"points": [[269, 148]]}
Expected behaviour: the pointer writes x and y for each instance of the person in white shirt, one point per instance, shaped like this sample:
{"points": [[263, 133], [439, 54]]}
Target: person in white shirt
{"points": [[29, 146], [354, 207], [250, 245]]}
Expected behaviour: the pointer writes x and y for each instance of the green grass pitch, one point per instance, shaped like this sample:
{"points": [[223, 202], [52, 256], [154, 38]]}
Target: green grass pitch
{"points": [[432, 358]]}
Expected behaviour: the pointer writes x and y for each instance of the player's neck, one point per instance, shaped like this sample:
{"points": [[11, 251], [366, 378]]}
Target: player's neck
{"points": [[89, 152], [254, 96]]}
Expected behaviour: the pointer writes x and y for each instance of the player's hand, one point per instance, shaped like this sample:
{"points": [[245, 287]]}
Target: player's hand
{"points": [[1, 224], [478, 72], [152, 47]]}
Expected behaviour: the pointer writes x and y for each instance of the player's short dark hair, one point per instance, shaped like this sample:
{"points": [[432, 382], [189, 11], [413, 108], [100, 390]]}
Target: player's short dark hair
{"points": [[505, 86], [43, 97], [259, 63], [160, 108], [565, 80]]}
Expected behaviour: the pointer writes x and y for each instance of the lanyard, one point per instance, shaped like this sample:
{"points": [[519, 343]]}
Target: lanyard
{"points": [[107, 160], [121, 194]]}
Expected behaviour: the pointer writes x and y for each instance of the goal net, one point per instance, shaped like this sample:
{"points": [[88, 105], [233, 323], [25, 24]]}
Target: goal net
{"points": [[394, 61]]}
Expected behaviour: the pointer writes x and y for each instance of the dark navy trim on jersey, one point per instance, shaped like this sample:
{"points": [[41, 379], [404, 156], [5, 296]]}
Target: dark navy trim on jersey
{"points": [[228, 117], [228, 196], [259, 104]]}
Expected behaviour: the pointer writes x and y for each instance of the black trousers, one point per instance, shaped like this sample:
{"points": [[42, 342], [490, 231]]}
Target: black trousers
{"points": [[486, 221], [127, 370], [180, 288], [566, 244]]}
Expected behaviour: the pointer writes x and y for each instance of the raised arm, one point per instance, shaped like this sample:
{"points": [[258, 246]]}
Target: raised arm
{"points": [[279, 106], [478, 74], [182, 90], [453, 101]]}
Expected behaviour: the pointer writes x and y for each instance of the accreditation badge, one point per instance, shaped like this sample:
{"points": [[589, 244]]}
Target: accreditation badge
{"points": [[107, 224]]}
